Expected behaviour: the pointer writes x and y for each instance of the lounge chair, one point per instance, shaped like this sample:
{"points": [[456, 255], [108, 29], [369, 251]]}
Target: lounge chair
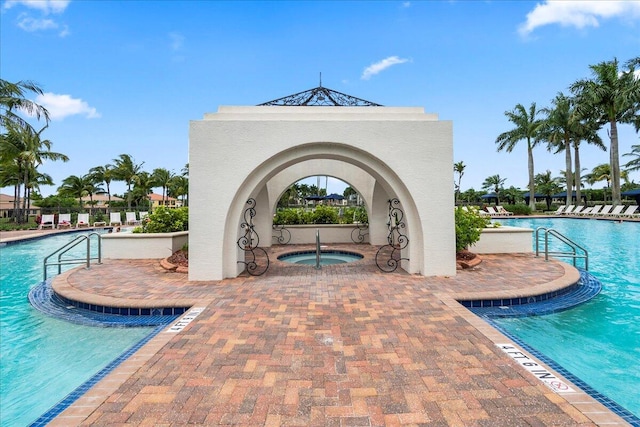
{"points": [[595, 210], [577, 210], [115, 219], [569, 210], [502, 211], [559, 210], [605, 210], [585, 211], [492, 211], [47, 221], [615, 212], [131, 218], [143, 215], [64, 220], [83, 220], [630, 212]]}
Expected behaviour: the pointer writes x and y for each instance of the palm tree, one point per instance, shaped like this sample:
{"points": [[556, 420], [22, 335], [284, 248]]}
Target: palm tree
{"points": [[12, 97], [162, 177], [76, 187], [527, 128], [495, 184], [634, 164], [547, 186], [612, 97], [179, 187], [25, 148], [104, 175], [144, 184], [459, 169], [126, 170]]}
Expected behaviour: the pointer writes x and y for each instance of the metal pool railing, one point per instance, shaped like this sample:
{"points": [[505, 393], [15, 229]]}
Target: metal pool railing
{"points": [[572, 253], [70, 261]]}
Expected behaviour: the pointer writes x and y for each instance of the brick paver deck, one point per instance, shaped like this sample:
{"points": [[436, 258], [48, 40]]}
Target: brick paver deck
{"points": [[347, 345]]}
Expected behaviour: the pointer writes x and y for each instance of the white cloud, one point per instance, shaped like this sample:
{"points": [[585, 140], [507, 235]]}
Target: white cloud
{"points": [[61, 106], [44, 6], [380, 66], [176, 40], [577, 13], [31, 24]]}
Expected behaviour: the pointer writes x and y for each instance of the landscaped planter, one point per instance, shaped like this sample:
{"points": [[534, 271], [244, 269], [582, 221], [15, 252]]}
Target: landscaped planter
{"points": [[503, 240], [142, 245], [329, 233]]}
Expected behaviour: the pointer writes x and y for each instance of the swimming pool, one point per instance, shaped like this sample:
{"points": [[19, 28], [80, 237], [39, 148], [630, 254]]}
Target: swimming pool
{"points": [[327, 257], [43, 358], [599, 341]]}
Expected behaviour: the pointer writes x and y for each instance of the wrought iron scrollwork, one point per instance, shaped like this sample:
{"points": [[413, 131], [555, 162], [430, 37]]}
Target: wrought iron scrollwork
{"points": [[389, 256], [321, 96], [281, 234], [256, 259], [359, 233]]}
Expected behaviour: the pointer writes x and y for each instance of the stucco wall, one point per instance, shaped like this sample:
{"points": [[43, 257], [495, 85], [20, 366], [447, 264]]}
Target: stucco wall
{"points": [[235, 152], [142, 245]]}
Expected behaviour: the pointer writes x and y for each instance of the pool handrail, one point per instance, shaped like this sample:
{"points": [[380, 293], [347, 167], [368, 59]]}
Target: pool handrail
{"points": [[573, 245], [70, 245]]}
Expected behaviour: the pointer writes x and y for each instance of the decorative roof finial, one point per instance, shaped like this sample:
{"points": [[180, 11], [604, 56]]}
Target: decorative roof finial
{"points": [[320, 79]]}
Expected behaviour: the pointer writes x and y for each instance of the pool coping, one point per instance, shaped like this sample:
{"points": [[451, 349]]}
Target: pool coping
{"points": [[580, 400]]}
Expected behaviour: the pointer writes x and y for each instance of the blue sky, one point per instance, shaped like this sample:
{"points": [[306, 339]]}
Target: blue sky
{"points": [[128, 76]]}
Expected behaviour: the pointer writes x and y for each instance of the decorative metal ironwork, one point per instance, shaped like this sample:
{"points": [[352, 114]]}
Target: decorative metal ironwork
{"points": [[389, 256], [255, 257], [359, 233], [281, 234], [321, 96]]}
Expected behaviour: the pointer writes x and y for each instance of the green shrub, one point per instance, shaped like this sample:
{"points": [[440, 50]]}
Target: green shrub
{"points": [[469, 225], [165, 220], [520, 209], [325, 215]]}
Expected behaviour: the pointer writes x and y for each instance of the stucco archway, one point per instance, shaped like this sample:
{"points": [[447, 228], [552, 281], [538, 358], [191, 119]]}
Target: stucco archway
{"points": [[235, 152]]}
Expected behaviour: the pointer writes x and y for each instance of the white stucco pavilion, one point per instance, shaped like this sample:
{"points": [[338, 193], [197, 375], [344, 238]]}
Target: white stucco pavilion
{"points": [[257, 152]]}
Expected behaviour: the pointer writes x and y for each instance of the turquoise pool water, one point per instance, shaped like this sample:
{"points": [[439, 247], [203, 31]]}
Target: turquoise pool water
{"points": [[326, 257], [599, 341], [44, 359]]}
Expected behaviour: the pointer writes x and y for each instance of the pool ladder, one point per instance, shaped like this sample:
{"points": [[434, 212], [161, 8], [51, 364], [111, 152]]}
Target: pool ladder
{"points": [[572, 253], [318, 267], [70, 261]]}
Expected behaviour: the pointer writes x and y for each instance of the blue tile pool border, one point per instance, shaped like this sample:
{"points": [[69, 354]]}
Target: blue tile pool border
{"points": [[59, 407], [610, 404]]}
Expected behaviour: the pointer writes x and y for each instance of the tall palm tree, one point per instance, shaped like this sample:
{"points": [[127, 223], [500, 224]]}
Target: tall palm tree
{"points": [[495, 184], [76, 187], [12, 97], [634, 164], [104, 175], [162, 177], [527, 128], [143, 186], [25, 148], [126, 170], [459, 169], [179, 187], [612, 96]]}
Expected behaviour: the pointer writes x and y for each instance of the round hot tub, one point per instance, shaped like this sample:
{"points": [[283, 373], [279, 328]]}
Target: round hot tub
{"points": [[327, 257]]}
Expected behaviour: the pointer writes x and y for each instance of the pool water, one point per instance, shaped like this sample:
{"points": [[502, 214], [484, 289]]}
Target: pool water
{"points": [[326, 257], [43, 358], [599, 341]]}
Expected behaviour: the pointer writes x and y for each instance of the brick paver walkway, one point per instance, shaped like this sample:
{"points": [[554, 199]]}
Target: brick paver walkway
{"points": [[343, 346]]}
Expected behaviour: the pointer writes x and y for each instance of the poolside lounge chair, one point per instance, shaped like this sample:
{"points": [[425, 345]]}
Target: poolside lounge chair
{"points": [[83, 220], [502, 211], [630, 212], [131, 218], [615, 212], [64, 220], [491, 210], [559, 210], [595, 210], [143, 215], [47, 221], [115, 219], [577, 210], [605, 210], [585, 211], [569, 210]]}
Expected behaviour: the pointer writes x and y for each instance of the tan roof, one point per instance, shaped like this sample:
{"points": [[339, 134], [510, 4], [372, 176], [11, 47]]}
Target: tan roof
{"points": [[156, 197]]}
